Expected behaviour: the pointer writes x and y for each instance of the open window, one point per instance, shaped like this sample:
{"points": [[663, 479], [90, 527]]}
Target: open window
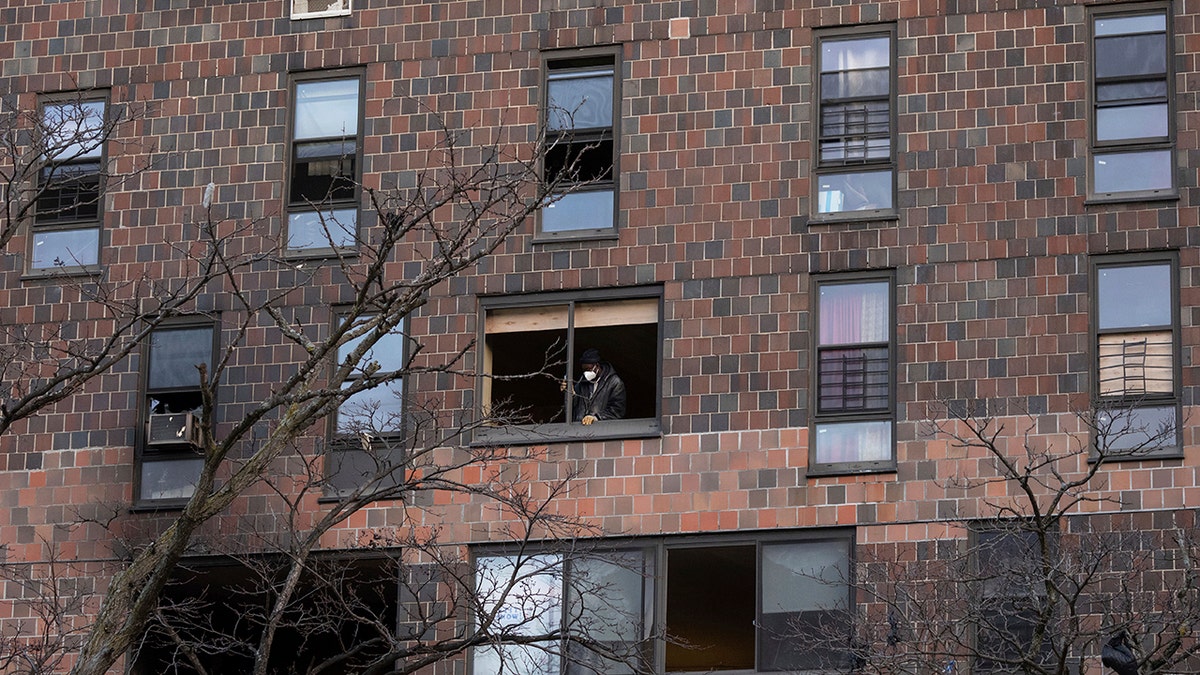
{"points": [[213, 614], [532, 345], [1137, 368], [66, 223], [172, 437], [368, 442]]}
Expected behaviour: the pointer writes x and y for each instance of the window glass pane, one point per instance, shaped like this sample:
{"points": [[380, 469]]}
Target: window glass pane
{"points": [[1120, 25], [1132, 171], [315, 229], [1129, 55], [1123, 91], [526, 598], [350, 467], [1137, 430], [1131, 121], [608, 608], [170, 478], [388, 351], [855, 84], [374, 411], [174, 355], [1134, 296], [854, 442], [855, 54], [805, 591], [805, 576], [584, 210], [326, 109], [854, 313], [68, 248], [863, 191], [580, 99], [73, 130], [68, 192]]}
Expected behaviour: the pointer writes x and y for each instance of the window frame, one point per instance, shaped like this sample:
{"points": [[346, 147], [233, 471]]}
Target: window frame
{"points": [[885, 414], [298, 16], [89, 224], [580, 60], [656, 552], [554, 432], [825, 168], [144, 453], [293, 205], [1128, 401], [982, 595], [338, 441], [1166, 143]]}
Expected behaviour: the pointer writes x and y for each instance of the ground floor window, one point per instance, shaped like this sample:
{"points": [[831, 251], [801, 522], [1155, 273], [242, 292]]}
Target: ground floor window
{"points": [[677, 606]]}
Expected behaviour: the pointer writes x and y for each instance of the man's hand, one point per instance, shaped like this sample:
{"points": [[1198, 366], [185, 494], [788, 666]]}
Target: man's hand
{"points": [[588, 419]]}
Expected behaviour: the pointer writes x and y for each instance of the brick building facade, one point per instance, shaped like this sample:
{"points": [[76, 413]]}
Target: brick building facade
{"points": [[821, 223]]}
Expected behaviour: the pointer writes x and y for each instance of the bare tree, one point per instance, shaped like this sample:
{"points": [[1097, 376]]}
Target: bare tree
{"points": [[1041, 577]]}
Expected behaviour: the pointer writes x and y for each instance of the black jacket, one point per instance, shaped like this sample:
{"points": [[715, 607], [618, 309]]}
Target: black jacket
{"points": [[604, 398]]}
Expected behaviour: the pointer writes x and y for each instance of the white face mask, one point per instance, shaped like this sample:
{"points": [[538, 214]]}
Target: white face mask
{"points": [[589, 375]]}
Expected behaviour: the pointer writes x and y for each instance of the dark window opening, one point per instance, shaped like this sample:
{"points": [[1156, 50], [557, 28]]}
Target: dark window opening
{"points": [[69, 193], [527, 352], [710, 626], [217, 614]]}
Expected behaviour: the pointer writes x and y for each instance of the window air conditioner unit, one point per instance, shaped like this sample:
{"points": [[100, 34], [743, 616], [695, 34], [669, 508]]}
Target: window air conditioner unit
{"points": [[173, 430]]}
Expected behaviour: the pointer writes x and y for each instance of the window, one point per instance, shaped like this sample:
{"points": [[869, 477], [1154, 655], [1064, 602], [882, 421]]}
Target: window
{"points": [[214, 613], [1137, 370], [1132, 124], [1010, 595], [782, 605], [855, 136], [323, 195], [312, 9], [66, 232], [368, 444], [532, 344], [853, 407], [173, 436], [582, 106]]}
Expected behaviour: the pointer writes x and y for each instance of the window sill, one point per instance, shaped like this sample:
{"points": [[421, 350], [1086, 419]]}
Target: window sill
{"points": [[541, 434], [60, 272], [1114, 457], [325, 253], [584, 235], [882, 215], [151, 506], [320, 15], [851, 469], [1123, 197]]}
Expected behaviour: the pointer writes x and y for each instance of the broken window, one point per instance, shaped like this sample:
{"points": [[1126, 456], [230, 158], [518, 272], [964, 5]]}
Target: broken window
{"points": [[531, 346], [1136, 364]]}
